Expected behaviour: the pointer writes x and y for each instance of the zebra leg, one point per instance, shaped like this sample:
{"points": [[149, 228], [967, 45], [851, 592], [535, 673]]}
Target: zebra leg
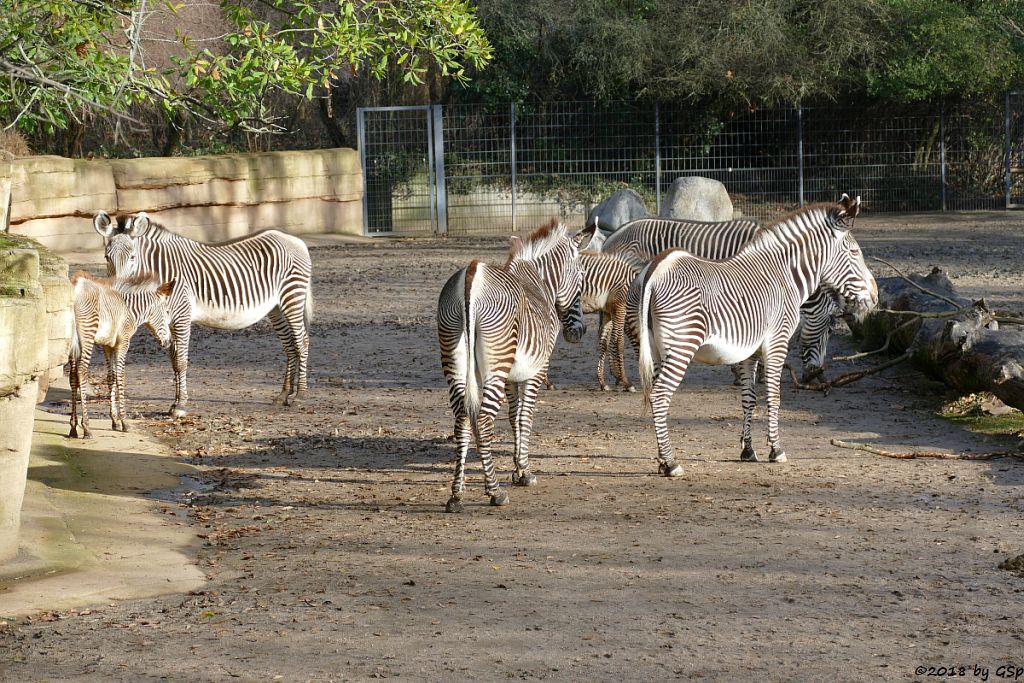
{"points": [[76, 389], [493, 391], [285, 333], [83, 373], [747, 371], [773, 363], [520, 415], [462, 434], [667, 377], [618, 343], [181, 333], [121, 354], [108, 353], [604, 332]]}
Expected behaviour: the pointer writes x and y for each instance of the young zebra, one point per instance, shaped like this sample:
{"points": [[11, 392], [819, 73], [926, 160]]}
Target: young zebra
{"points": [[107, 313], [497, 327], [606, 280], [725, 311], [639, 241], [226, 285]]}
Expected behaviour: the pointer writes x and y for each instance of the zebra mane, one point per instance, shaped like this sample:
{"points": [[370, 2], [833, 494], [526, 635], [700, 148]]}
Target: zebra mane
{"points": [[542, 241], [788, 230], [139, 283]]}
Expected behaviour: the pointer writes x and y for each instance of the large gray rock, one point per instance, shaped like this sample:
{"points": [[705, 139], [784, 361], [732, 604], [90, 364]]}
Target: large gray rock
{"points": [[697, 199], [620, 208]]}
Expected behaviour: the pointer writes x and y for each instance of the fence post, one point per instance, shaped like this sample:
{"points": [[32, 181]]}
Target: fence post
{"points": [[1006, 146], [657, 158], [361, 136], [440, 186], [512, 124], [800, 151], [942, 153]]}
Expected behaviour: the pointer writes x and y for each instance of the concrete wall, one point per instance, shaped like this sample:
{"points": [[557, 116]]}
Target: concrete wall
{"points": [[35, 337], [207, 198]]}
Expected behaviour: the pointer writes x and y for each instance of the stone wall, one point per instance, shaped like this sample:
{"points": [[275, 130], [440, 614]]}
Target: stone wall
{"points": [[207, 198], [35, 337]]}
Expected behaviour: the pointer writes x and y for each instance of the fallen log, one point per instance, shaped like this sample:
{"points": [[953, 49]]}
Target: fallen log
{"points": [[952, 339]]}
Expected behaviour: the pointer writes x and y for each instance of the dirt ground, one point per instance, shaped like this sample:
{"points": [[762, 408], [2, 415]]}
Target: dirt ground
{"points": [[329, 555]]}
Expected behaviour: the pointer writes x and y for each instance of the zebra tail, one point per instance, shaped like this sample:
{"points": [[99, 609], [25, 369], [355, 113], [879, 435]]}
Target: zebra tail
{"points": [[308, 311], [472, 396], [645, 342]]}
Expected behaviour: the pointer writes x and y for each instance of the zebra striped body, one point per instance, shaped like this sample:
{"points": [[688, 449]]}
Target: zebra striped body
{"points": [[497, 327], [226, 285], [639, 241], [606, 280], [726, 311], [107, 314]]}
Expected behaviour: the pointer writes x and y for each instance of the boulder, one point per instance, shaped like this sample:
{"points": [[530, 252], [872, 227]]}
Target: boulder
{"points": [[620, 208], [697, 199]]}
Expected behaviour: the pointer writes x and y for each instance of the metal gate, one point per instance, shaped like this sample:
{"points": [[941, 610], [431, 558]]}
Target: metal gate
{"points": [[402, 152], [1014, 124]]}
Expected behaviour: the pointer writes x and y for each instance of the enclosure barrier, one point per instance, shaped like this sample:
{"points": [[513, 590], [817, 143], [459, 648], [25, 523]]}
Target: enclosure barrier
{"points": [[209, 198], [486, 169]]}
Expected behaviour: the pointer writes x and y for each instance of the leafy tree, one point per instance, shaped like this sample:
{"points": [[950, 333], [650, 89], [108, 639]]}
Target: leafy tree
{"points": [[60, 58]]}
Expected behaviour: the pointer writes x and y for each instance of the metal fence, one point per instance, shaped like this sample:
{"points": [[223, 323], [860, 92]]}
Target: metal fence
{"points": [[483, 169]]}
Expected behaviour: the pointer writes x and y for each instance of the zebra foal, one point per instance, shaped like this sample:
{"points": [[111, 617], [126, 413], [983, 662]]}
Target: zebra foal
{"points": [[226, 285], [606, 280], [725, 311], [497, 327], [108, 312], [639, 241]]}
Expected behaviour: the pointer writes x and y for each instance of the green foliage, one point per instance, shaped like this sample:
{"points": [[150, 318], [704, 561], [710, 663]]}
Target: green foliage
{"points": [[949, 47], [63, 57]]}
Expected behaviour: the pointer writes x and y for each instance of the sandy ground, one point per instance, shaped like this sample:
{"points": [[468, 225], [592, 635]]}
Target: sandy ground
{"points": [[329, 556]]}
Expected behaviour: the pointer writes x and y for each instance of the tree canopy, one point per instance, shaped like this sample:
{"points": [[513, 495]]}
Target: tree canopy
{"points": [[62, 57]]}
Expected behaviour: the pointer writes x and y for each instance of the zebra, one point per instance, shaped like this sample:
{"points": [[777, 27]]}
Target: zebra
{"points": [[226, 285], [497, 327], [724, 311], [606, 280], [108, 312], [639, 241]]}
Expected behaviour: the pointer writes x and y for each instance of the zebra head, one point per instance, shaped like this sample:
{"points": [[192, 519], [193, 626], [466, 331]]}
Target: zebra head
{"points": [[562, 269], [120, 241], [844, 269], [158, 317]]}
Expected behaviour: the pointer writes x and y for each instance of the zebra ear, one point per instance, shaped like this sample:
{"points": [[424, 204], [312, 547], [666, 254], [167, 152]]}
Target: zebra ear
{"points": [[102, 223], [140, 224], [583, 237], [515, 246], [166, 289], [850, 207]]}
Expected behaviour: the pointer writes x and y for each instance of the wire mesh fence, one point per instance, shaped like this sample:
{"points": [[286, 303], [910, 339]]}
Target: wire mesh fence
{"points": [[512, 167]]}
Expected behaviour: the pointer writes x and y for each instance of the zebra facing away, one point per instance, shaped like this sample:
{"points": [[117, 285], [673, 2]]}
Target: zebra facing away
{"points": [[725, 311], [107, 313], [639, 241], [226, 285], [606, 280], [497, 327]]}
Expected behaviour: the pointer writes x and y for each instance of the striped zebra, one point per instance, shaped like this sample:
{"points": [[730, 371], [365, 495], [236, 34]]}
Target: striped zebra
{"points": [[606, 280], [639, 241], [725, 311], [107, 314], [224, 285], [497, 327]]}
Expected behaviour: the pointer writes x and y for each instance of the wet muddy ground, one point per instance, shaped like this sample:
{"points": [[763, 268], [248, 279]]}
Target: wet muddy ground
{"points": [[329, 555]]}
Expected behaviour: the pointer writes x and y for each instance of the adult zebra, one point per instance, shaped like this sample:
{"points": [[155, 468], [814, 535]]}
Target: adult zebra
{"points": [[725, 311], [497, 327], [639, 241], [224, 285]]}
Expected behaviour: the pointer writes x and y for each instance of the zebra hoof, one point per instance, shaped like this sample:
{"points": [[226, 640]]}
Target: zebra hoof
{"points": [[748, 455], [177, 411], [73, 434], [499, 499], [811, 374], [630, 388], [524, 479], [124, 426], [670, 469], [86, 433], [605, 387], [777, 456], [453, 505]]}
